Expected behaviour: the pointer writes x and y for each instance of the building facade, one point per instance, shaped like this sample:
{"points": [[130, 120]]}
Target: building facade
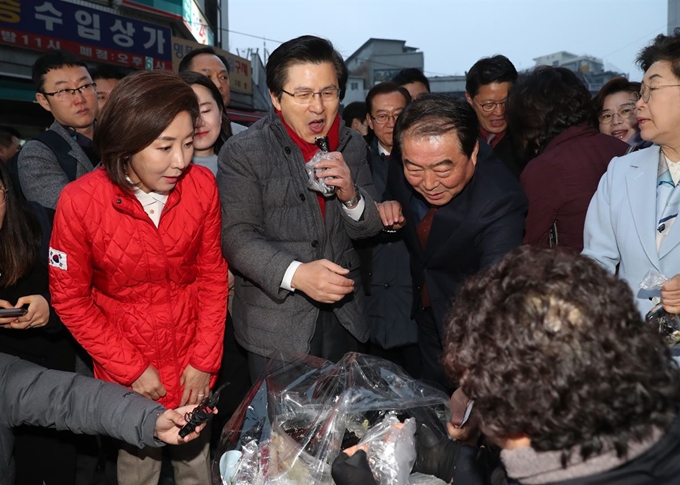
{"points": [[378, 60], [591, 70], [138, 34], [673, 15]]}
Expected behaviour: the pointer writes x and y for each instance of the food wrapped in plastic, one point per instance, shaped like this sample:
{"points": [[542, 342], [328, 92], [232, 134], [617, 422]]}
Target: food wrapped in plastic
{"points": [[391, 449], [667, 323], [307, 410], [317, 181]]}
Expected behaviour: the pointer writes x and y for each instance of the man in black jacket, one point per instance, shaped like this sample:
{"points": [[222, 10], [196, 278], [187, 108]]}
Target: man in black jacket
{"points": [[463, 211]]}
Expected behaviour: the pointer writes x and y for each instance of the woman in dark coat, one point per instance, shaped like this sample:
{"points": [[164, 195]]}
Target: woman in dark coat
{"points": [[550, 114], [38, 336]]}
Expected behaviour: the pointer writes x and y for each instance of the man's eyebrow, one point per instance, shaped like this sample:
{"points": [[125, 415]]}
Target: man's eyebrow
{"points": [[58, 83], [438, 164]]}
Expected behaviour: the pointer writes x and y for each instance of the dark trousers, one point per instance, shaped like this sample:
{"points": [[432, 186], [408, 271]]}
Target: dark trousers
{"points": [[44, 456], [331, 341], [406, 356], [430, 343], [234, 370]]}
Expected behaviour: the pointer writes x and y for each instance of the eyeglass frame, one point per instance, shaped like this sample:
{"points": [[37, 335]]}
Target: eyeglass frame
{"points": [[297, 99], [72, 91], [618, 112], [387, 117], [494, 104], [646, 94]]}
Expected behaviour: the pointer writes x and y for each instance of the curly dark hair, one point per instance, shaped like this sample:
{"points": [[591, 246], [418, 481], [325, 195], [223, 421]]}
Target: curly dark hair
{"points": [[544, 104], [551, 346], [662, 48]]}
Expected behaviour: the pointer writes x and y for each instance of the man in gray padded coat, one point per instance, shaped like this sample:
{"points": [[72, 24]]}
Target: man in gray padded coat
{"points": [[33, 395], [297, 275]]}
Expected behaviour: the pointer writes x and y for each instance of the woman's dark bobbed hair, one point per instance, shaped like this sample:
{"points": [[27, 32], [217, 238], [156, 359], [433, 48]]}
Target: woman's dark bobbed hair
{"points": [[140, 108]]}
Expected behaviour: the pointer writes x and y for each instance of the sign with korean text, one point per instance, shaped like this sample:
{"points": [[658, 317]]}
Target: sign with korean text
{"points": [[197, 23], [89, 33], [240, 74]]}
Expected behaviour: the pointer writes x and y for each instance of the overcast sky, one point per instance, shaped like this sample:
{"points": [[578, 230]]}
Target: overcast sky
{"points": [[453, 34]]}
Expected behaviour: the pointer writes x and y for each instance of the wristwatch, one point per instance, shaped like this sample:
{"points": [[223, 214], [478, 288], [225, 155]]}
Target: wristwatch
{"points": [[354, 200]]}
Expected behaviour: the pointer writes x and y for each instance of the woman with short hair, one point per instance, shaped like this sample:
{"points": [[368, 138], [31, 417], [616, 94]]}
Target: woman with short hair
{"points": [[630, 228], [550, 113], [136, 269], [615, 111]]}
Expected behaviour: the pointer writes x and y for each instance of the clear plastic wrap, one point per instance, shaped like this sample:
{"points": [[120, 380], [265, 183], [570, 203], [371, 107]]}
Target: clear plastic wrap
{"points": [[317, 181], [391, 450], [307, 410], [667, 323]]}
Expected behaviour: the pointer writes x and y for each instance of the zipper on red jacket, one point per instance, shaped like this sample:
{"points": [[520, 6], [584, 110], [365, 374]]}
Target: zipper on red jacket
{"points": [[169, 301]]}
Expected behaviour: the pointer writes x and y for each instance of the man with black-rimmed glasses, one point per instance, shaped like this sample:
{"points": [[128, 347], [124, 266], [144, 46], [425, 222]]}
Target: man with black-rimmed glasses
{"points": [[288, 239], [65, 151], [487, 85]]}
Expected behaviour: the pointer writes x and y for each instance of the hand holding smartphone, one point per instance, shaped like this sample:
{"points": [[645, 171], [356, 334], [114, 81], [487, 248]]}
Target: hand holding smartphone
{"points": [[12, 312]]}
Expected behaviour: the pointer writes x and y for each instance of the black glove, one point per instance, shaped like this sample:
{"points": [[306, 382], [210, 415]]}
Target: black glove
{"points": [[434, 456], [352, 470], [446, 459]]}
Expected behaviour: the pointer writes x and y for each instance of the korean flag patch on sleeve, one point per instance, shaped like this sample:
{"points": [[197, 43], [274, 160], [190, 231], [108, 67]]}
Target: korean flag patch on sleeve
{"points": [[58, 259]]}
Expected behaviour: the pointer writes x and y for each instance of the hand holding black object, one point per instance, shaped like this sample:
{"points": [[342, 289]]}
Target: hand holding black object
{"points": [[352, 470], [435, 457], [202, 412], [448, 460]]}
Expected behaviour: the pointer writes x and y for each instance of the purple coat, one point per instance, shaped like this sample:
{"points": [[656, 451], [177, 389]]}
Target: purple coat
{"points": [[560, 182]]}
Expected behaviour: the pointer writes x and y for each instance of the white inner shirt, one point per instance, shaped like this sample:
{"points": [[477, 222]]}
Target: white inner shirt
{"points": [[152, 203]]}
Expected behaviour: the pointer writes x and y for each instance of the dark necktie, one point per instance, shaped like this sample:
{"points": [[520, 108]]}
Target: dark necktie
{"points": [[423, 232]]}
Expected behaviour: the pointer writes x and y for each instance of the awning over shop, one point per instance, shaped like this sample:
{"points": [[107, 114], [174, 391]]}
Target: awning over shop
{"points": [[17, 90], [245, 116]]}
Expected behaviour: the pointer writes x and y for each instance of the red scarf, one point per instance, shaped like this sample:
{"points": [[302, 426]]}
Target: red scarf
{"points": [[484, 135], [309, 150]]}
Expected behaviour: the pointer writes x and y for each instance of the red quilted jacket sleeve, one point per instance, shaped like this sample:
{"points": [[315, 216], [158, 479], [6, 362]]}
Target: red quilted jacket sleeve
{"points": [[213, 287], [71, 288]]}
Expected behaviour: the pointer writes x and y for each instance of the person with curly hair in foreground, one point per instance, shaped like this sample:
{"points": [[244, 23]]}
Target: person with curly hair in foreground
{"points": [[565, 376]]}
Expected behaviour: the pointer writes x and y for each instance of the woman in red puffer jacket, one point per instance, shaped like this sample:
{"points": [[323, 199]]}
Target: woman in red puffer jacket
{"points": [[136, 269]]}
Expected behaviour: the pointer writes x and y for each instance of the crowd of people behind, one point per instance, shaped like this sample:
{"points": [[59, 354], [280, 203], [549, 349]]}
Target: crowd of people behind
{"points": [[129, 225]]}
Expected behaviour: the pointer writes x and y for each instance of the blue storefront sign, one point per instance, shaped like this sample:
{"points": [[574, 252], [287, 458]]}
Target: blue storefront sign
{"points": [[90, 33]]}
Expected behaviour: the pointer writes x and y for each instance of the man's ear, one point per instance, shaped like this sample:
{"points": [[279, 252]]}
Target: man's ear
{"points": [[468, 97], [42, 100], [475, 152], [369, 121], [275, 101]]}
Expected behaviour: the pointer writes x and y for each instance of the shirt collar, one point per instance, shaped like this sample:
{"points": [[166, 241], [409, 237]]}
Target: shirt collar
{"points": [[148, 198], [382, 150]]}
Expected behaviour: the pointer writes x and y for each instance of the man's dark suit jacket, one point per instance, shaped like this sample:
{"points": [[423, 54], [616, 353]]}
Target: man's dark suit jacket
{"points": [[473, 231]]}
